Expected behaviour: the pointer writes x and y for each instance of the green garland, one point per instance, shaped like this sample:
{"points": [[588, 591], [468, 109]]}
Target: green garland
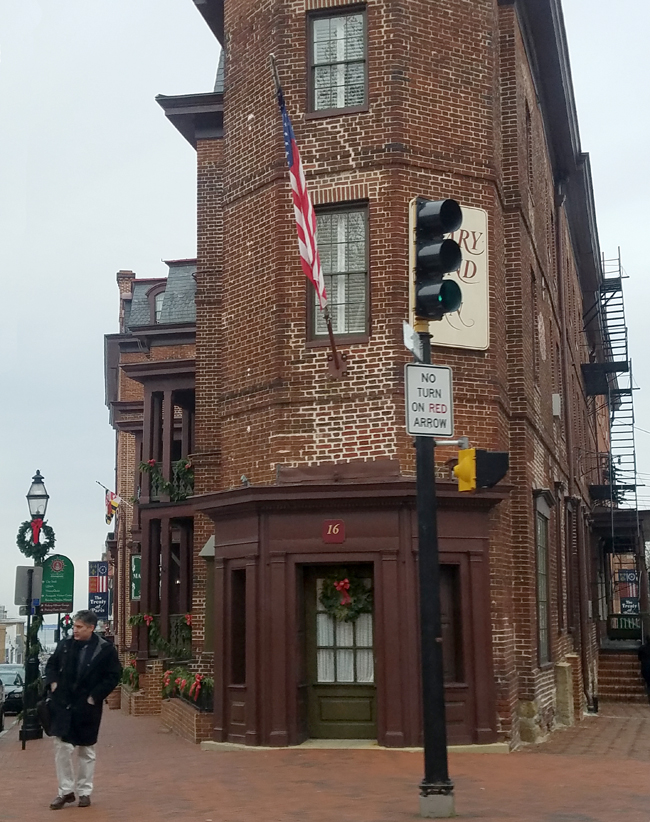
{"points": [[180, 646], [345, 596], [181, 485], [25, 543]]}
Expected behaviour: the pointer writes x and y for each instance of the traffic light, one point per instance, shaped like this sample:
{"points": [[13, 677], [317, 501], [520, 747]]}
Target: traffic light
{"points": [[478, 468], [433, 256]]}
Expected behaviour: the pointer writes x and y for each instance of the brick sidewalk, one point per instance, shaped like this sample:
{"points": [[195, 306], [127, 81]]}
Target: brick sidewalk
{"points": [[596, 772]]}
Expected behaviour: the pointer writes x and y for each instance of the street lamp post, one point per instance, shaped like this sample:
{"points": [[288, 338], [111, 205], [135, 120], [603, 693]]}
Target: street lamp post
{"points": [[37, 498]]}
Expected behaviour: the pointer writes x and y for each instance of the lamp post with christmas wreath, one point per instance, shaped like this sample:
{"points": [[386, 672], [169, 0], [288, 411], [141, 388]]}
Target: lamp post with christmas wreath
{"points": [[35, 540]]}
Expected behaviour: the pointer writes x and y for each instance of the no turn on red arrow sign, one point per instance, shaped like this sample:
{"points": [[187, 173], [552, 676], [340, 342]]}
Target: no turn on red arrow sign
{"points": [[429, 401]]}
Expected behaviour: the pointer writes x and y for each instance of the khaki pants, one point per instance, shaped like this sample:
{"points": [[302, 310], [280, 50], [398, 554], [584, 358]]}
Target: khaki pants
{"points": [[63, 752]]}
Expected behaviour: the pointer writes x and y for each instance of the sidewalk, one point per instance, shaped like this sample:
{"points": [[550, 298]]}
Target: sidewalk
{"points": [[596, 772]]}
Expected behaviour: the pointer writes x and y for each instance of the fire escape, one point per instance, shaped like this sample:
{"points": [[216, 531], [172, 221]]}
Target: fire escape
{"points": [[615, 513]]}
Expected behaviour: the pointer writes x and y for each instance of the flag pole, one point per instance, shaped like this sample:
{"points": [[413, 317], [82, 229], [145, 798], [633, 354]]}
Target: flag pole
{"points": [[336, 362]]}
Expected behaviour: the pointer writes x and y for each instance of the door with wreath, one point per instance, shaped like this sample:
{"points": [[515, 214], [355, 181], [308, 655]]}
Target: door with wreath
{"points": [[341, 692]]}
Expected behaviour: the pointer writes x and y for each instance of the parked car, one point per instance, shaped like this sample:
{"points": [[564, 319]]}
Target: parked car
{"points": [[2, 707], [11, 677]]}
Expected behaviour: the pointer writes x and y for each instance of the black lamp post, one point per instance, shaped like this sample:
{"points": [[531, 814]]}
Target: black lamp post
{"points": [[37, 498]]}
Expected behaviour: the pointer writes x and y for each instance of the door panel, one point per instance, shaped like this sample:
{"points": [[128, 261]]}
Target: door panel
{"points": [[340, 667]]}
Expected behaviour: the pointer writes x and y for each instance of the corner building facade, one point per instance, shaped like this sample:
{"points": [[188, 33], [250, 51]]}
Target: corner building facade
{"points": [[308, 478]]}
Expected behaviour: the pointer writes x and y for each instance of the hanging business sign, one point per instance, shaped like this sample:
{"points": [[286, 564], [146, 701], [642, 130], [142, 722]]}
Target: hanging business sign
{"points": [[57, 593], [136, 575], [98, 588], [630, 605]]}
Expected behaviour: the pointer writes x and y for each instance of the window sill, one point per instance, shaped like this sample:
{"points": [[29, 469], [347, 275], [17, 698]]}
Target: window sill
{"points": [[339, 339], [335, 112]]}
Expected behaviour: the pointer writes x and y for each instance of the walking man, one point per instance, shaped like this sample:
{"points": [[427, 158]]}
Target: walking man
{"points": [[80, 674]]}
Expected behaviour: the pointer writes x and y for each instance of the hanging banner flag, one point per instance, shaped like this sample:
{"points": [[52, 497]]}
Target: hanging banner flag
{"points": [[112, 504], [98, 588], [57, 593]]}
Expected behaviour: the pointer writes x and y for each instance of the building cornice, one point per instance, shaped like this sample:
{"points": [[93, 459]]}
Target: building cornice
{"points": [[195, 116], [180, 372]]}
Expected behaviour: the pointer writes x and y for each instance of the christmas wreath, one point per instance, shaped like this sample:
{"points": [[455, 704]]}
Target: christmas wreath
{"points": [[345, 596], [29, 540]]}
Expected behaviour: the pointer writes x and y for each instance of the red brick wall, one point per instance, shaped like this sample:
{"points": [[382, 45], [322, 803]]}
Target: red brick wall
{"points": [[185, 721], [452, 112]]}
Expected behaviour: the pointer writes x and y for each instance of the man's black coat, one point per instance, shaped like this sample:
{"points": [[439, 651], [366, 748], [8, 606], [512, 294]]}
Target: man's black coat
{"points": [[74, 719]]}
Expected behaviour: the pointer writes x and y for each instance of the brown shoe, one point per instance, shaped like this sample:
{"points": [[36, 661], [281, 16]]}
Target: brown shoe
{"points": [[60, 801], [84, 801]]}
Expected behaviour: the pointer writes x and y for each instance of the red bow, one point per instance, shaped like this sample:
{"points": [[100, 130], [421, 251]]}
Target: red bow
{"points": [[343, 586], [37, 524]]}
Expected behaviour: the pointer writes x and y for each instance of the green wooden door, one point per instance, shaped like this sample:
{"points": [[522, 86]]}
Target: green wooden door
{"points": [[342, 701]]}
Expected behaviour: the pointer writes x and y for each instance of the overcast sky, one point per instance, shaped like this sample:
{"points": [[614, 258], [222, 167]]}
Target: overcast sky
{"points": [[93, 179]]}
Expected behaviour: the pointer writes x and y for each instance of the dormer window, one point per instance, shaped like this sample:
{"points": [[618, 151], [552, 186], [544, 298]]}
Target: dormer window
{"points": [[156, 298], [158, 304]]}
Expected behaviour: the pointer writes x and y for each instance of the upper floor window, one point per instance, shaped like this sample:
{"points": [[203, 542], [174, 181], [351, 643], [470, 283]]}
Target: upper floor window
{"points": [[158, 306], [342, 237], [338, 62]]}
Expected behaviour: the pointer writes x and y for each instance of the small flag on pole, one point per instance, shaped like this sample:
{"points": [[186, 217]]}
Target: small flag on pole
{"points": [[302, 206], [112, 504]]}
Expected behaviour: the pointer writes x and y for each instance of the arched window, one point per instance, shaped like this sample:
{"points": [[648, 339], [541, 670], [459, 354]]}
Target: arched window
{"points": [[158, 304], [156, 297]]}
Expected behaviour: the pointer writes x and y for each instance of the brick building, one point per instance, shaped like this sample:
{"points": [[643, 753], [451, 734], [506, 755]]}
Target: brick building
{"points": [[149, 374], [470, 99]]}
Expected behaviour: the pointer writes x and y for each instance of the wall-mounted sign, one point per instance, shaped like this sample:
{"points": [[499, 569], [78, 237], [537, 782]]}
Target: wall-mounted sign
{"points": [[136, 575], [627, 575], [58, 585], [334, 530]]}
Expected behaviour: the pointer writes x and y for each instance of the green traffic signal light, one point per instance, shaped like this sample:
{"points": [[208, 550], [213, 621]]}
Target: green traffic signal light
{"points": [[434, 256]]}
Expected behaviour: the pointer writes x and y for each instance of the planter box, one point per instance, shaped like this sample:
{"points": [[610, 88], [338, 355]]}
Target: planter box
{"points": [[186, 720], [139, 703], [114, 699]]}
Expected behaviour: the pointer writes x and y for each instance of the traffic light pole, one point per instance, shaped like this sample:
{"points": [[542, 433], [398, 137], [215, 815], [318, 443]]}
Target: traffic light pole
{"points": [[436, 789]]}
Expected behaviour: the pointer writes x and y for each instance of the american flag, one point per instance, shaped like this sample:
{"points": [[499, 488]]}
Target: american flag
{"points": [[302, 207]]}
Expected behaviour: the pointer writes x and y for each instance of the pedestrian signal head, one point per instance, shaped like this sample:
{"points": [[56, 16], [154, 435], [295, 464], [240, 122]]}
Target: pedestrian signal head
{"points": [[478, 468], [465, 470]]}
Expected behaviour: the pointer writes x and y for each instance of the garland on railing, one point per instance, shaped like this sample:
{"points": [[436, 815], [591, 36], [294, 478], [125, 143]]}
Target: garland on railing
{"points": [[29, 542], [179, 646], [345, 596], [181, 485]]}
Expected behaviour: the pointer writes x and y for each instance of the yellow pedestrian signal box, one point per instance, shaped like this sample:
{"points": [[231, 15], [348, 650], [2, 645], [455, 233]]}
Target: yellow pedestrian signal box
{"points": [[465, 471], [478, 468]]}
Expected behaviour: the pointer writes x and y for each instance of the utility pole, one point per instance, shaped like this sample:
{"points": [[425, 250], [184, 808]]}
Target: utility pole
{"points": [[436, 789]]}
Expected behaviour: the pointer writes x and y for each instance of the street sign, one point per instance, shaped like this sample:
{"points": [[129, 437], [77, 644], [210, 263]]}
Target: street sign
{"points": [[136, 575], [22, 584], [58, 585], [412, 340], [429, 401]]}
